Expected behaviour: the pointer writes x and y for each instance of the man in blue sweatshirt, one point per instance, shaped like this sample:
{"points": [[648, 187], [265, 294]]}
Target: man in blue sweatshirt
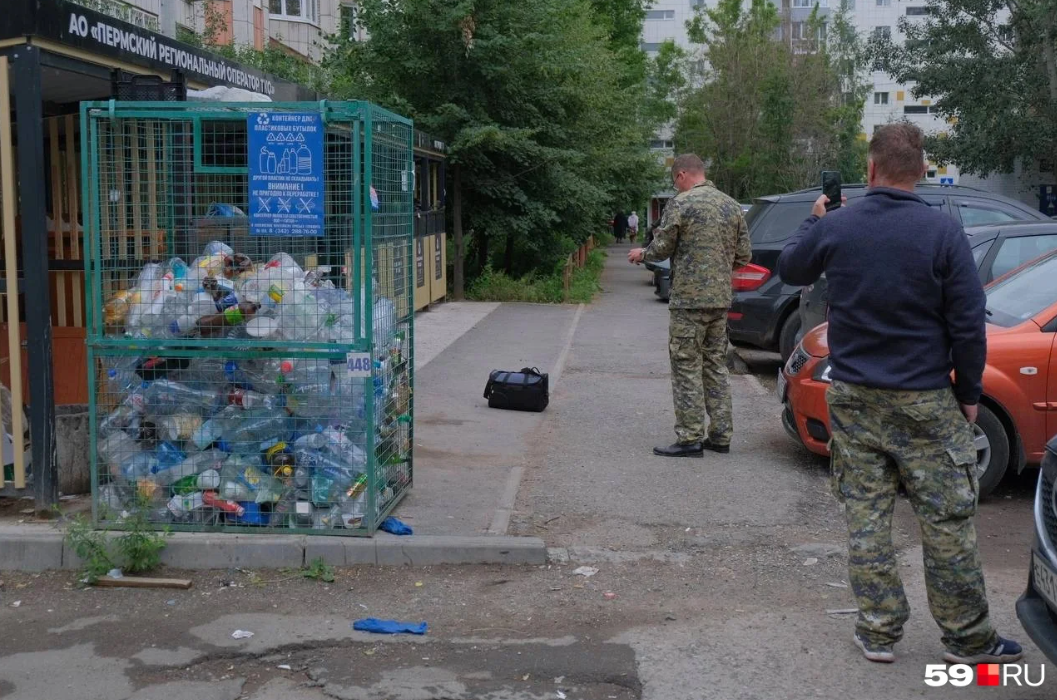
{"points": [[906, 309]]}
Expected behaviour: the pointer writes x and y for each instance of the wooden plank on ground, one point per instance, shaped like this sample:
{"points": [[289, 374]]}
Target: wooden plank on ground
{"points": [[143, 582]]}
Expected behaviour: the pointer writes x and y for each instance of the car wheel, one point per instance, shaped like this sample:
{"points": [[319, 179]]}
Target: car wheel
{"points": [[992, 450], [787, 336]]}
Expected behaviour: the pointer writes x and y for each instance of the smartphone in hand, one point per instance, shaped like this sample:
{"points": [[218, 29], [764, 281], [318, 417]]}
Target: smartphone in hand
{"points": [[831, 188]]}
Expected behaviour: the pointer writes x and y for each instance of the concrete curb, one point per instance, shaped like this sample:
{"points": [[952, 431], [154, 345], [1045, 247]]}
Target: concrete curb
{"points": [[30, 548]]}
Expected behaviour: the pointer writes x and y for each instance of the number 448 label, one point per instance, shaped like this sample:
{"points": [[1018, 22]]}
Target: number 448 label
{"points": [[359, 364]]}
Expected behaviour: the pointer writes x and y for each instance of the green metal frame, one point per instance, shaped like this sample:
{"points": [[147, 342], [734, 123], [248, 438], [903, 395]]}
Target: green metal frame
{"points": [[362, 119]]}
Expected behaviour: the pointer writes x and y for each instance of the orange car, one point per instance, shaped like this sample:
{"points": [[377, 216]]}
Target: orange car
{"points": [[1018, 411]]}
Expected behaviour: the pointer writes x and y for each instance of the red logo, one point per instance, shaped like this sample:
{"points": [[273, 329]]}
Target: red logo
{"points": [[988, 674]]}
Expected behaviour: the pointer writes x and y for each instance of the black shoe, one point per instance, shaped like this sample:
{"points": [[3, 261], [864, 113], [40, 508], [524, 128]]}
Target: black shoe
{"points": [[709, 445], [693, 449]]}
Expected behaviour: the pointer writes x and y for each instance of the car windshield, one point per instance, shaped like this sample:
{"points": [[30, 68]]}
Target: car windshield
{"points": [[1024, 294]]}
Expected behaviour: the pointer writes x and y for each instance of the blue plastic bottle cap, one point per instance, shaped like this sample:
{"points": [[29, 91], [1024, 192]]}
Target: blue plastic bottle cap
{"points": [[111, 373], [223, 446], [230, 366]]}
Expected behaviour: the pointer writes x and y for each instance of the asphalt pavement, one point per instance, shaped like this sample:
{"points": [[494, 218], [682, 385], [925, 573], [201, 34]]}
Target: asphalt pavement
{"points": [[716, 578]]}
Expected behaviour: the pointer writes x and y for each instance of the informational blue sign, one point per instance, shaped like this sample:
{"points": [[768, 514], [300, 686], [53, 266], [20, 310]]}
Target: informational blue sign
{"points": [[286, 174], [946, 180], [1048, 199]]}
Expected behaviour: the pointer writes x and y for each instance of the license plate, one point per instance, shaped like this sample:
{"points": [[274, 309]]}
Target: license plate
{"points": [[1045, 580], [783, 385]]}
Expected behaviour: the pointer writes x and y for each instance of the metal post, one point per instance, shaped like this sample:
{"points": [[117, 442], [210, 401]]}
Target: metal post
{"points": [[29, 115]]}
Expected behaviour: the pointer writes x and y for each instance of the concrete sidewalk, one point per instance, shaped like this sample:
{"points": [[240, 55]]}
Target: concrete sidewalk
{"points": [[468, 457]]}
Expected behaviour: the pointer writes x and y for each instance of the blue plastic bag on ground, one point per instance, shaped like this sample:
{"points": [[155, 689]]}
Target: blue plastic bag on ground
{"points": [[372, 624], [394, 527]]}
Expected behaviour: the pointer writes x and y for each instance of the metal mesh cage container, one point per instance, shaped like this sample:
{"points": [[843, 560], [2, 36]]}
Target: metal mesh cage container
{"points": [[250, 325]]}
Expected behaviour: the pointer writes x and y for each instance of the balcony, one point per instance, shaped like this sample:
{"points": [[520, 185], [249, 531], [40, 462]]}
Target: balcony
{"points": [[123, 11]]}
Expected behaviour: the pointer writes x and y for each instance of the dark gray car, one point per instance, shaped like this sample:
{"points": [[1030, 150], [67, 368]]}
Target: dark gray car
{"points": [[988, 218]]}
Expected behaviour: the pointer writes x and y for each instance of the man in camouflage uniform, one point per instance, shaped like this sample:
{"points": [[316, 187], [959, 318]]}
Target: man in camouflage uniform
{"points": [[703, 232], [906, 308]]}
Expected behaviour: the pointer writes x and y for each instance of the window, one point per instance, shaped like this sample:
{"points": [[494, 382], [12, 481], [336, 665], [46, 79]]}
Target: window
{"points": [[880, 98], [1005, 33], [348, 21], [1014, 252], [661, 144], [882, 33], [978, 215], [848, 4], [810, 3], [915, 109], [660, 14], [980, 251], [650, 46], [1020, 297], [769, 222], [307, 10], [918, 11], [802, 30], [930, 174], [884, 3], [188, 35], [697, 3]]}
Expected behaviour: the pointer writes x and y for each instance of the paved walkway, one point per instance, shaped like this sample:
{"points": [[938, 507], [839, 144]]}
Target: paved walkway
{"points": [[468, 456]]}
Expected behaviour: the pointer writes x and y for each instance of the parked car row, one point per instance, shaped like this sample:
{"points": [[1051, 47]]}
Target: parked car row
{"points": [[769, 315]]}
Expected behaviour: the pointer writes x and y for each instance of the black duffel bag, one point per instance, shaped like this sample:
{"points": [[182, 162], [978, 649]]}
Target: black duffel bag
{"points": [[527, 390]]}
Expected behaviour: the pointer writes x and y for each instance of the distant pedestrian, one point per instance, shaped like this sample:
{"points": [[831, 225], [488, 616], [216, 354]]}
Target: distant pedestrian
{"points": [[906, 307], [620, 226], [633, 227], [704, 234]]}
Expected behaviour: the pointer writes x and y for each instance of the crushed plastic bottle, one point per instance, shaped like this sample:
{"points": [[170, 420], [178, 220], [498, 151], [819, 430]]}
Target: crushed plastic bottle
{"points": [[191, 466], [166, 397]]}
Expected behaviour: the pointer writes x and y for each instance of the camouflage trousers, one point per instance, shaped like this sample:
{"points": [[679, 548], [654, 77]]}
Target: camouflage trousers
{"points": [[880, 438], [697, 344]]}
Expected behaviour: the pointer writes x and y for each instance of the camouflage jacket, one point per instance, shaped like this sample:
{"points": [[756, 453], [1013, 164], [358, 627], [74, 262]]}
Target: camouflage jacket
{"points": [[703, 232]]}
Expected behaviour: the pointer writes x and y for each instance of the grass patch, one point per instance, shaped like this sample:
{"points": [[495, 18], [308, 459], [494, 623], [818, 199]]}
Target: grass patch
{"points": [[495, 285]]}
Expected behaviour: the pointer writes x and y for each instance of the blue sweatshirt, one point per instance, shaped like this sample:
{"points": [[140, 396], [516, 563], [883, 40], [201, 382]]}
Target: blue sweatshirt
{"points": [[906, 303]]}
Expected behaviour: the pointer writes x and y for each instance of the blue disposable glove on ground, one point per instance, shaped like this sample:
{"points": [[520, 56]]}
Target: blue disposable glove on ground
{"points": [[394, 526], [372, 624]]}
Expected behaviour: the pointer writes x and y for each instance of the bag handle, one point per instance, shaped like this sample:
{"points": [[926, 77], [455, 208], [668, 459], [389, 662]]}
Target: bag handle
{"points": [[532, 370]]}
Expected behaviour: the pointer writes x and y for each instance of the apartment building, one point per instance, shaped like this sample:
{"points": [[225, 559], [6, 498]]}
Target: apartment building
{"points": [[301, 27], [887, 100]]}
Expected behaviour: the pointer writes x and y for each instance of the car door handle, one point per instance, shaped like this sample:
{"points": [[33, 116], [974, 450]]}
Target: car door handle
{"points": [[1045, 406]]}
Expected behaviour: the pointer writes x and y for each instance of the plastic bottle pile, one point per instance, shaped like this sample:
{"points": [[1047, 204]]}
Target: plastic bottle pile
{"points": [[268, 440]]}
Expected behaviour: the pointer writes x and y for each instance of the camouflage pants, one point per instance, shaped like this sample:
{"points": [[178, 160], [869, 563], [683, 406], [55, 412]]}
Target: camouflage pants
{"points": [[697, 344], [883, 437]]}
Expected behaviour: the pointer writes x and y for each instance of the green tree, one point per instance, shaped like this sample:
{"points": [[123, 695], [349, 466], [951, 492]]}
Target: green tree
{"points": [[666, 83], [991, 70], [538, 109], [770, 114], [848, 57]]}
